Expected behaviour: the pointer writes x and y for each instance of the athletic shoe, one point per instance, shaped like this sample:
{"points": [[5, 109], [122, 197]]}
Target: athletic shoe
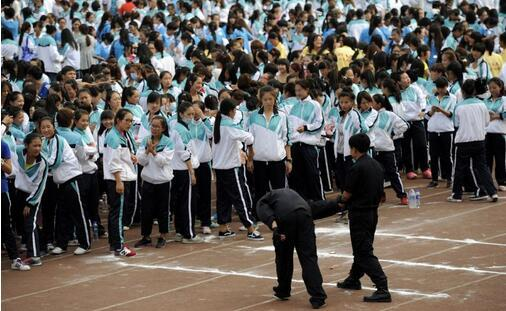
{"points": [[279, 295], [160, 243], [214, 225], [453, 199], [387, 184], [58, 251], [178, 237], [195, 240], [255, 236], [125, 251], [502, 188], [411, 175], [206, 230], [155, 222], [318, 304], [143, 242], [404, 201], [243, 228], [479, 197], [350, 283], [493, 198], [18, 264], [73, 243], [33, 261], [432, 184], [81, 251], [226, 234], [381, 295], [49, 246], [427, 174], [126, 228]]}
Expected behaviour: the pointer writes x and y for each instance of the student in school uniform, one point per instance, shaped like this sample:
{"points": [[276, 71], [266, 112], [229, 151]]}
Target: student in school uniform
{"points": [[230, 183], [305, 122], [368, 114], [393, 94], [130, 101], [440, 126], [99, 135], [270, 158], [471, 117], [155, 155], [153, 103], [201, 133], [66, 171], [120, 174], [388, 126], [183, 196]]}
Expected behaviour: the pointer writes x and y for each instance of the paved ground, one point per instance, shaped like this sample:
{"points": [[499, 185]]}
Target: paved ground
{"points": [[440, 257]]}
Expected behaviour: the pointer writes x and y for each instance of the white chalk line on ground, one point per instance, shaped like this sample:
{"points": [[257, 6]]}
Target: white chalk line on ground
{"points": [[404, 292]]}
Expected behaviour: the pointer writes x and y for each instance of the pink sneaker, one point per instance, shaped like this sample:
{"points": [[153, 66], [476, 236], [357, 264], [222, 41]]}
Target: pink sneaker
{"points": [[427, 174], [412, 175]]}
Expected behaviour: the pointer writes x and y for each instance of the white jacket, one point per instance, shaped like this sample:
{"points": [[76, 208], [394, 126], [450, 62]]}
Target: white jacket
{"points": [[62, 161], [227, 154], [157, 168], [439, 122], [117, 156], [307, 113], [471, 117], [270, 138], [47, 51], [388, 123], [31, 180], [183, 148]]}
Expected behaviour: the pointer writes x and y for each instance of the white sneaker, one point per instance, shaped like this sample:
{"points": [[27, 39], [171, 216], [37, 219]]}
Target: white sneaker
{"points": [[493, 198], [155, 222], [502, 188], [126, 228], [206, 230], [243, 228], [255, 236], [194, 240], [18, 264], [58, 251], [80, 251], [178, 237], [50, 246], [73, 243]]}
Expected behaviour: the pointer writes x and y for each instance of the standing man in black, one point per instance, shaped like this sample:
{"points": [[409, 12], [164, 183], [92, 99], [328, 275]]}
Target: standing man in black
{"points": [[362, 194], [291, 218]]}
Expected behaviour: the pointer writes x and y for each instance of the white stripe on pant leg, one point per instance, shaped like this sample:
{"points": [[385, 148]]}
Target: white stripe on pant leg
{"points": [[319, 175], [397, 173], [327, 168], [190, 205], [135, 202], [34, 227], [412, 155], [242, 197], [478, 191], [247, 187], [451, 148], [82, 214], [454, 164]]}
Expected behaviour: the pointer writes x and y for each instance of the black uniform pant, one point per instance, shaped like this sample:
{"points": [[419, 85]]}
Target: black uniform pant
{"points": [[465, 154], [495, 144], [231, 190], [325, 169], [31, 229], [89, 187], [268, 176], [305, 176], [362, 229], [398, 153], [71, 214], [131, 209], [414, 147], [155, 204], [298, 228], [183, 203], [343, 165], [8, 238], [440, 150], [117, 203], [387, 159], [49, 207], [203, 174]]}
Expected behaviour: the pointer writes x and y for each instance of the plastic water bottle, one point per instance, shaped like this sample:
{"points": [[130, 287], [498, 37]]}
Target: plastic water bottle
{"points": [[95, 230], [417, 193], [412, 198]]}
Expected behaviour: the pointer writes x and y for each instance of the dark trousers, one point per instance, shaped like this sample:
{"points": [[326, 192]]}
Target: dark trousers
{"points": [[298, 228], [88, 183], [183, 203], [387, 159], [268, 175], [398, 153], [8, 238], [362, 229], [495, 144], [231, 190], [117, 202], [472, 153], [131, 209], [155, 204], [440, 150], [31, 229], [49, 207], [343, 165], [203, 187], [325, 169], [18, 221], [71, 214], [414, 147], [305, 176]]}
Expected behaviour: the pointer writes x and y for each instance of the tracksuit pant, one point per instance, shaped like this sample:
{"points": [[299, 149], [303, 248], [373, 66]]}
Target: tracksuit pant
{"points": [[117, 202], [131, 202], [495, 145], [231, 190], [472, 153], [387, 159], [155, 204], [71, 214], [268, 175], [362, 229], [90, 189], [49, 209], [184, 203], [8, 238], [30, 225], [298, 228], [343, 165], [414, 147], [203, 188], [398, 153], [440, 150], [305, 177], [325, 168]]}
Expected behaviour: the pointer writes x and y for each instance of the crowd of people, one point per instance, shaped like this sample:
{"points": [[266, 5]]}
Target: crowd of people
{"points": [[140, 104]]}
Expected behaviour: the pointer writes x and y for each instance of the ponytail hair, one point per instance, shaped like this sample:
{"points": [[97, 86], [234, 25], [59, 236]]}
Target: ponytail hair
{"points": [[383, 101], [226, 106]]}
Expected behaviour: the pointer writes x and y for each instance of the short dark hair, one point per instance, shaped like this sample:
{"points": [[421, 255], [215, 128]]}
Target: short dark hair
{"points": [[361, 142]]}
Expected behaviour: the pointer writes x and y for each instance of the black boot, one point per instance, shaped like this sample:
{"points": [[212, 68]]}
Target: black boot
{"points": [[381, 295], [350, 283], [279, 295]]}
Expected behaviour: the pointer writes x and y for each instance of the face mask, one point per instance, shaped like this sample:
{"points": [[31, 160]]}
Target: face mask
{"points": [[173, 107], [133, 76], [187, 120]]}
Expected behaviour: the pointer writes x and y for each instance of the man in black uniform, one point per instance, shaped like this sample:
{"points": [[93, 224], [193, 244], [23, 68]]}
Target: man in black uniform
{"points": [[291, 218], [363, 193]]}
